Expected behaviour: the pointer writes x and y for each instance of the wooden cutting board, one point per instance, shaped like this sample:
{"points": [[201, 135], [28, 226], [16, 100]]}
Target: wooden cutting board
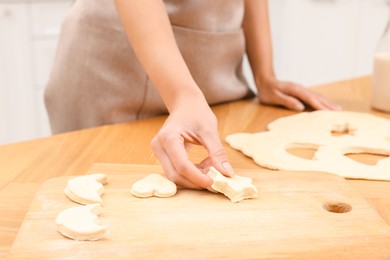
{"points": [[289, 219]]}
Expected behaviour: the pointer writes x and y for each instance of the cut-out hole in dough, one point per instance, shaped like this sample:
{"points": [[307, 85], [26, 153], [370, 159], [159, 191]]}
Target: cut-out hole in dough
{"points": [[337, 207], [304, 151], [341, 133], [366, 158], [341, 129]]}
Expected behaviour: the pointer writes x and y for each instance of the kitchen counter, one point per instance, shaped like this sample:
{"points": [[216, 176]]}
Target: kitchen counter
{"points": [[24, 166]]}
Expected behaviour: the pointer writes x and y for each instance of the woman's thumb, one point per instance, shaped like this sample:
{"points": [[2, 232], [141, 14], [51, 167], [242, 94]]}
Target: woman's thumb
{"points": [[217, 154], [220, 161]]}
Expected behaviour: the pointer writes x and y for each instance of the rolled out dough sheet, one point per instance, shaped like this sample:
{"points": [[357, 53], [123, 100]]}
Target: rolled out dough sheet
{"points": [[364, 133]]}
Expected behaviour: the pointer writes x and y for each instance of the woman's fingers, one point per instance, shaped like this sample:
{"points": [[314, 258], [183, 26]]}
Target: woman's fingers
{"points": [[304, 95], [288, 101], [274, 93], [313, 99], [294, 96], [173, 156], [217, 154], [169, 169], [204, 165]]}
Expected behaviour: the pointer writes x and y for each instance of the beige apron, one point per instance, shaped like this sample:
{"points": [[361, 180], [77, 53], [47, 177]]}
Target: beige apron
{"points": [[96, 78]]}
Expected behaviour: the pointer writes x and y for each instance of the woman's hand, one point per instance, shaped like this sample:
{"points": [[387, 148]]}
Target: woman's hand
{"points": [[191, 120], [292, 96], [191, 123], [259, 49]]}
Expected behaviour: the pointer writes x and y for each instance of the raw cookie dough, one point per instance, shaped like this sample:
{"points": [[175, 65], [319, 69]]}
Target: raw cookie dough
{"points": [[154, 185], [236, 188], [86, 189], [79, 222], [363, 133], [323, 123]]}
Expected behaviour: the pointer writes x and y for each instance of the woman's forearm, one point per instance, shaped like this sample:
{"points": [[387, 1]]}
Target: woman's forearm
{"points": [[258, 39], [149, 31]]}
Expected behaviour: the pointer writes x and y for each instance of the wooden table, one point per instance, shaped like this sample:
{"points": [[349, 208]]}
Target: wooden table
{"points": [[24, 166]]}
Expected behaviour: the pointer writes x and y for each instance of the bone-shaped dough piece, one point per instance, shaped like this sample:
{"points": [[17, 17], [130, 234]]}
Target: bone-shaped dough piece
{"points": [[79, 222], [153, 185], [86, 189], [236, 188]]}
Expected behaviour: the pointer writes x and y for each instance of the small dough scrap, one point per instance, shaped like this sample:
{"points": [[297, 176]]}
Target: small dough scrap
{"points": [[154, 185], [86, 189], [79, 222], [236, 188]]}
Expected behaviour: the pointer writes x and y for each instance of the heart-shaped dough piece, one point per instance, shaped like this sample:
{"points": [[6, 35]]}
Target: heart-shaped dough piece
{"points": [[86, 189], [79, 222], [154, 185], [236, 188]]}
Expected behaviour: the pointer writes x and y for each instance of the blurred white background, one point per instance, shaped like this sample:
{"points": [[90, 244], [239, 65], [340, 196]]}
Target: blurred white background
{"points": [[315, 42]]}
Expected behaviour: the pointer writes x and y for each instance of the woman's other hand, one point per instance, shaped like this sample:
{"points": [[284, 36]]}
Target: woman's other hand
{"points": [[259, 49], [292, 96]]}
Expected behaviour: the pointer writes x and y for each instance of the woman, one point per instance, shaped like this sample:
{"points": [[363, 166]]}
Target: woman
{"points": [[134, 59]]}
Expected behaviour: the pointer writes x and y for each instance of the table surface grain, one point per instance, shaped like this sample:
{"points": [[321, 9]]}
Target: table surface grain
{"points": [[25, 165]]}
